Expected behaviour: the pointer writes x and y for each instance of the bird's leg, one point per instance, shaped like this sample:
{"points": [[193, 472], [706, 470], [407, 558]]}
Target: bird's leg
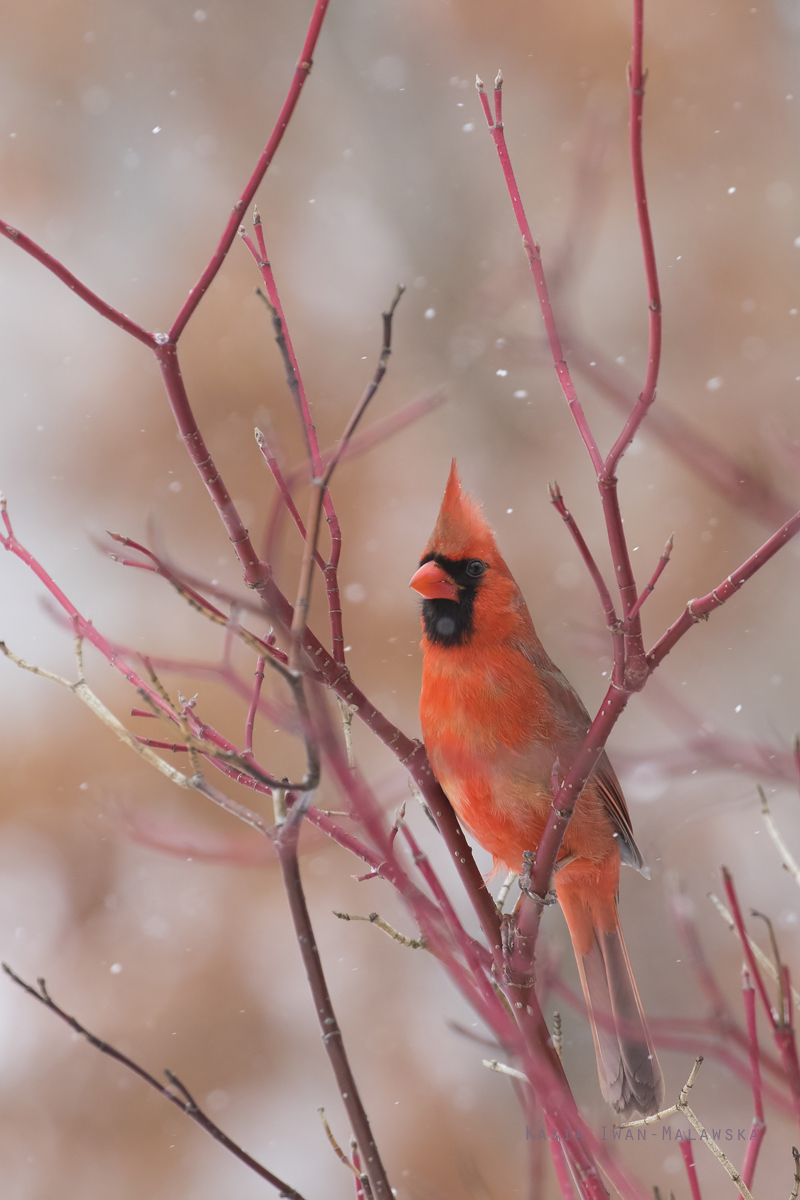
{"points": [[528, 859]]}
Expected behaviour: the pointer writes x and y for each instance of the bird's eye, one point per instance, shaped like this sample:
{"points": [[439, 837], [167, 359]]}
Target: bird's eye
{"points": [[475, 568]]}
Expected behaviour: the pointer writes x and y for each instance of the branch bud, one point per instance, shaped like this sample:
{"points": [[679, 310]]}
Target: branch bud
{"points": [[498, 82], [479, 84]]}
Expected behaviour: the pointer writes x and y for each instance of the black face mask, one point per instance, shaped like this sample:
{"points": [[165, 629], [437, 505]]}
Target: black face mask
{"points": [[450, 622]]}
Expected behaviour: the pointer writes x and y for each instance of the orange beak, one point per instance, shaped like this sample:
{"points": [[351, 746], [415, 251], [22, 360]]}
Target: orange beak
{"points": [[432, 582]]}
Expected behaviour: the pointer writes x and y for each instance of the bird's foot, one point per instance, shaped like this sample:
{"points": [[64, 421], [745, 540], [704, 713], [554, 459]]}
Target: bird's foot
{"points": [[528, 859]]}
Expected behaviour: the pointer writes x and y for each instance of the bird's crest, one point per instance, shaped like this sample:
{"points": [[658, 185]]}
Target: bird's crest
{"points": [[461, 530]]}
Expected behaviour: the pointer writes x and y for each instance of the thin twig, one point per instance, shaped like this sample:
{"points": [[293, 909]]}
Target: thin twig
{"points": [[788, 859], [187, 1104], [780, 1021], [258, 679], [337, 1150], [378, 921], [796, 1188], [301, 74], [661, 564], [683, 1106], [612, 620], [761, 957], [320, 487], [283, 490], [504, 1069], [759, 1125], [95, 705], [505, 888]]}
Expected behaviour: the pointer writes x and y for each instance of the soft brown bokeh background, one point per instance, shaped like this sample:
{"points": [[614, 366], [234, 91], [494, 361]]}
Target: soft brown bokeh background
{"points": [[126, 133]]}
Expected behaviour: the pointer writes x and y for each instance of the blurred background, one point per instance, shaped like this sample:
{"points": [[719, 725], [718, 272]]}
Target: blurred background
{"points": [[126, 134]]}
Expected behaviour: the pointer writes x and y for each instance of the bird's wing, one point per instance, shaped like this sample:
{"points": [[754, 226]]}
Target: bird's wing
{"points": [[611, 792], [576, 719]]}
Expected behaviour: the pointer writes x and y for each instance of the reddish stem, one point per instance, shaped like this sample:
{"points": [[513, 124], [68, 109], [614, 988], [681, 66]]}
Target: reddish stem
{"points": [[254, 571], [301, 73], [634, 671], [258, 679], [734, 480], [296, 386], [759, 1125], [612, 621], [285, 495], [537, 270], [781, 1030], [661, 564], [736, 913], [74, 284], [687, 1150], [561, 1170], [464, 941], [636, 82], [699, 610], [378, 432], [175, 747]]}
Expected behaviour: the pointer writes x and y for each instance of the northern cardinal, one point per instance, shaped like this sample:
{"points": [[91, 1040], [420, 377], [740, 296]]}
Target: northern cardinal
{"points": [[496, 714]]}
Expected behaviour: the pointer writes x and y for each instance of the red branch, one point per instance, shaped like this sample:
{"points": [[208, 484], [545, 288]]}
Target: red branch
{"points": [[759, 1125], [687, 1150], [700, 610], [780, 1020], [301, 74], [74, 284], [636, 82]]}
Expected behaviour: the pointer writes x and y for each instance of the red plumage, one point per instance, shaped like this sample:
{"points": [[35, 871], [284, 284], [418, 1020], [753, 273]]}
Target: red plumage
{"points": [[496, 713]]}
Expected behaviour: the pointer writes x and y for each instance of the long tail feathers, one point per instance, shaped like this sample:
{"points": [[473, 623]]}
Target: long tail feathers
{"points": [[630, 1077]]}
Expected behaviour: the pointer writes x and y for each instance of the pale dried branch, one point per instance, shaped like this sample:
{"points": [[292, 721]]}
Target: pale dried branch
{"points": [[504, 1069], [502, 895], [337, 1150], [763, 960], [796, 1188], [348, 712], [95, 705], [558, 1038], [789, 862], [683, 1107], [377, 920]]}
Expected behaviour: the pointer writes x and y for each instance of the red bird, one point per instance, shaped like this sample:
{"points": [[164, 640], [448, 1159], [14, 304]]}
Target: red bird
{"points": [[496, 713]]}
